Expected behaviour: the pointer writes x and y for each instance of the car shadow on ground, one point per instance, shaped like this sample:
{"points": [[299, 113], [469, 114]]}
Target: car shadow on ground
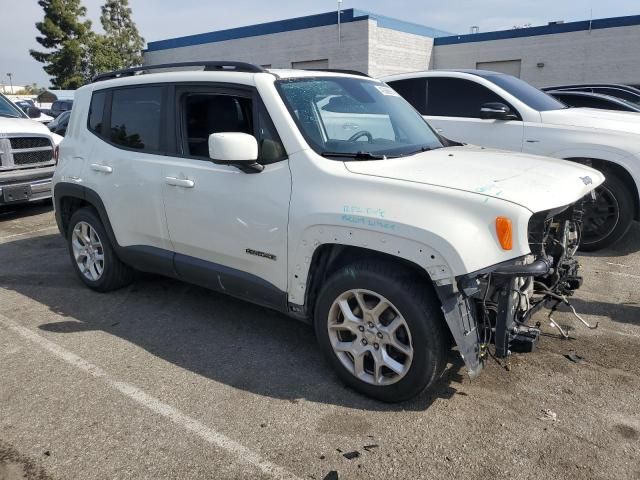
{"points": [[628, 312], [629, 244], [11, 212], [210, 334]]}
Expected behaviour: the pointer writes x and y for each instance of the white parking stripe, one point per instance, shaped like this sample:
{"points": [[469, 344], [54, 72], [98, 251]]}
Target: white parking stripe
{"points": [[242, 453], [15, 235]]}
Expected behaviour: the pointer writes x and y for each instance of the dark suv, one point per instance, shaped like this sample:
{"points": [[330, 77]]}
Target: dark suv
{"points": [[60, 106]]}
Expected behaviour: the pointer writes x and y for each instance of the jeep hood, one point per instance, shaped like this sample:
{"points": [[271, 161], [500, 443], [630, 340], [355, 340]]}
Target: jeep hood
{"points": [[536, 183], [628, 122]]}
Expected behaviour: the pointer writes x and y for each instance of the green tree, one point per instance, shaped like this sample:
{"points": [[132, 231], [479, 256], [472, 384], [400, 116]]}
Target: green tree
{"points": [[66, 35], [121, 45]]}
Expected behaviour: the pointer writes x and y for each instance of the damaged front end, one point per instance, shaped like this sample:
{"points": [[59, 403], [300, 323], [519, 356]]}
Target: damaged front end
{"points": [[494, 306]]}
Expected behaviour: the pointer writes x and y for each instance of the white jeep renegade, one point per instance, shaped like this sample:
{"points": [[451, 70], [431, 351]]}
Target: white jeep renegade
{"points": [[327, 197]]}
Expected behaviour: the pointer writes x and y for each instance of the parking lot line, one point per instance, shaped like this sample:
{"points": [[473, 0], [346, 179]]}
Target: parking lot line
{"points": [[217, 439], [30, 232]]}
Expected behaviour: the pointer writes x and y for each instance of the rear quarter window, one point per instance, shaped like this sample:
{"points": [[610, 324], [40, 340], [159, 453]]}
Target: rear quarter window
{"points": [[128, 117], [96, 112]]}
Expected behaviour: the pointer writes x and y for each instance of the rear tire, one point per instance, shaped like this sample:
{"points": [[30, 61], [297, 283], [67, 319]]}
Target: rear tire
{"points": [[92, 254], [400, 345], [609, 218]]}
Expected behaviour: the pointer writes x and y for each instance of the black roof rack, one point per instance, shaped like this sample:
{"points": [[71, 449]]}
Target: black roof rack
{"points": [[209, 66], [338, 70]]}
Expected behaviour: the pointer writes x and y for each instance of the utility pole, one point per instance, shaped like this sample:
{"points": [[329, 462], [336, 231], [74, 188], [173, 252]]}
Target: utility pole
{"points": [[10, 81], [339, 24]]}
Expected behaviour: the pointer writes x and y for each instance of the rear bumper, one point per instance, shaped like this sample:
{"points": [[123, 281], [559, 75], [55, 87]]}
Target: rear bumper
{"points": [[39, 184]]}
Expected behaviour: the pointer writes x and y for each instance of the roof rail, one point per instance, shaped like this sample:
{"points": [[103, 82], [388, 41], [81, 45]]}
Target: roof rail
{"points": [[338, 70], [208, 67]]}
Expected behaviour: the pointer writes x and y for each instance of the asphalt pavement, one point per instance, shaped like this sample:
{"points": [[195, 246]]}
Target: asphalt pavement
{"points": [[164, 380]]}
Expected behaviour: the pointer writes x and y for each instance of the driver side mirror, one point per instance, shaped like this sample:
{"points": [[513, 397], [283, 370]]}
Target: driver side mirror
{"points": [[235, 148], [33, 112], [497, 111]]}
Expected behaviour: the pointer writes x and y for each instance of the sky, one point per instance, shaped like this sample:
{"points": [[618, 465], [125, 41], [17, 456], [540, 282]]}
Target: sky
{"points": [[161, 19]]}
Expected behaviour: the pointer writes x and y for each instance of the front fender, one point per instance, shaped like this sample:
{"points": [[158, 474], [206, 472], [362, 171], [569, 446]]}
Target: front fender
{"points": [[433, 262]]}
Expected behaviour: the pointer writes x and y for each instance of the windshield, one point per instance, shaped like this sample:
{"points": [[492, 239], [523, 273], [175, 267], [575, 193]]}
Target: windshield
{"points": [[354, 117], [529, 95], [8, 109]]}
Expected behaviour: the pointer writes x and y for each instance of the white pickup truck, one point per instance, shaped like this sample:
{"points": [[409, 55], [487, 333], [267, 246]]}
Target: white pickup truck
{"points": [[27, 156], [324, 196], [501, 111]]}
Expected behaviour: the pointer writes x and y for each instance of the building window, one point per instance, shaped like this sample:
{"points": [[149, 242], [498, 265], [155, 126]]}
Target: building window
{"points": [[311, 64], [510, 67]]}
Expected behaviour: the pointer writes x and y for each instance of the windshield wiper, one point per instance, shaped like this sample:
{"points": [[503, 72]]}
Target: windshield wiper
{"points": [[356, 155], [420, 150]]}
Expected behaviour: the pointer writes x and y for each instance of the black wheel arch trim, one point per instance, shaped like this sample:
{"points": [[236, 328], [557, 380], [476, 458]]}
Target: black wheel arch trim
{"points": [[65, 190]]}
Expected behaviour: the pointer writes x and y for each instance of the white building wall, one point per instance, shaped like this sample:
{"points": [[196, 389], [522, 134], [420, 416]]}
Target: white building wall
{"points": [[392, 51], [279, 50], [609, 55]]}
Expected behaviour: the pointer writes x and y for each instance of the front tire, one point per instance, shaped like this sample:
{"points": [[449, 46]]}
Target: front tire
{"points": [[92, 254], [381, 328], [609, 217]]}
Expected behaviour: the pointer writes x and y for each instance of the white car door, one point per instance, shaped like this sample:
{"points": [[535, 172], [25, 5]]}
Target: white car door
{"points": [[126, 161], [228, 227]]}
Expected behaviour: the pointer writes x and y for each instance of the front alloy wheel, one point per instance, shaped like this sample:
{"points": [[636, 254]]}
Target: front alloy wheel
{"points": [[380, 326], [370, 337]]}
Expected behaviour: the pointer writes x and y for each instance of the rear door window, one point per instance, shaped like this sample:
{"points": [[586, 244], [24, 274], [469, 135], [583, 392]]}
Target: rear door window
{"points": [[135, 120], [414, 91]]}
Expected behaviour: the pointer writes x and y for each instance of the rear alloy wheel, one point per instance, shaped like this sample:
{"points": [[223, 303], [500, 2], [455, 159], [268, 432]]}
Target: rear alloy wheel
{"points": [[87, 251], [94, 259], [607, 218], [380, 326]]}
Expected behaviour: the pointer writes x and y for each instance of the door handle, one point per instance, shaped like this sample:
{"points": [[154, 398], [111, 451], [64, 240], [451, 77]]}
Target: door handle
{"points": [[180, 182], [439, 130], [96, 167]]}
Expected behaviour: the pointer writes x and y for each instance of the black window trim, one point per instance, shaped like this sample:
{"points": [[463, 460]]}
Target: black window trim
{"points": [[106, 117], [171, 135], [215, 88]]}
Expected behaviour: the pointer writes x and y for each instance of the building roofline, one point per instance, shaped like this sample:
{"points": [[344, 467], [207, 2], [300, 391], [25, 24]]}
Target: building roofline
{"points": [[402, 25], [290, 24], [551, 29]]}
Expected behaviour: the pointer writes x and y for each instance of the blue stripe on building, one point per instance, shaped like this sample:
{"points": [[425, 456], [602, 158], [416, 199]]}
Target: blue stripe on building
{"points": [[551, 29], [291, 24]]}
